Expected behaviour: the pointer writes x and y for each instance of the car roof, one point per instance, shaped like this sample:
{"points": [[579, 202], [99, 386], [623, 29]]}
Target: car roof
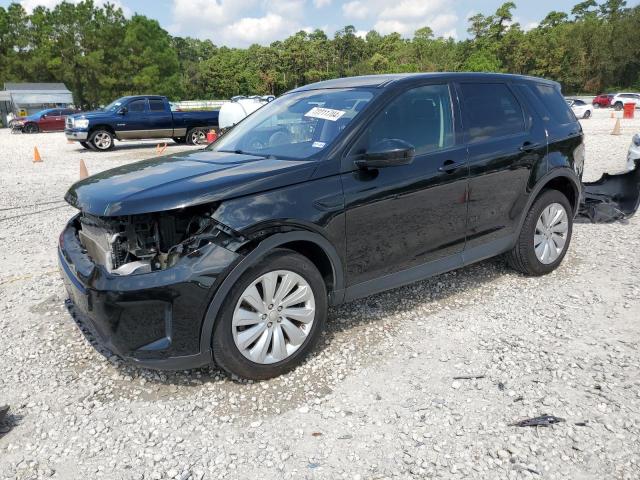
{"points": [[386, 80]]}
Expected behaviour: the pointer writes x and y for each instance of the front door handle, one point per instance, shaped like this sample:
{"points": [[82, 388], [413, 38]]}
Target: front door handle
{"points": [[450, 166], [529, 146]]}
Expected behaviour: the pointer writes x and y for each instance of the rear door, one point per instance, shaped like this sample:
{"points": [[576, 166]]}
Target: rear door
{"points": [[160, 119], [134, 122], [504, 145], [407, 216]]}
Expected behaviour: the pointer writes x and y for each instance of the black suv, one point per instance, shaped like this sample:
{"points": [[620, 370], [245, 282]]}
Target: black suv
{"points": [[334, 191]]}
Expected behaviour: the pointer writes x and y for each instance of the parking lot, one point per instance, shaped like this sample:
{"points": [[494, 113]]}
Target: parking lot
{"points": [[377, 399]]}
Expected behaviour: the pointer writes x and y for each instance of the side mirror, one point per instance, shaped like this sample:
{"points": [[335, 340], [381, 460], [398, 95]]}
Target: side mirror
{"points": [[123, 111], [44, 115], [390, 152]]}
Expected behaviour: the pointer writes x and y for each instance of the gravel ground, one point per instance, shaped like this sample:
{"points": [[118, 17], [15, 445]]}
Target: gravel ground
{"points": [[378, 398]]}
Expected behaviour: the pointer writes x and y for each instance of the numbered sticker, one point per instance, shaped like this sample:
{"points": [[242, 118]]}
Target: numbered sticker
{"points": [[325, 113]]}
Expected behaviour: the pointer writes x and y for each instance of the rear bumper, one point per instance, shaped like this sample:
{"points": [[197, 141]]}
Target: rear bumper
{"points": [[151, 320], [76, 135]]}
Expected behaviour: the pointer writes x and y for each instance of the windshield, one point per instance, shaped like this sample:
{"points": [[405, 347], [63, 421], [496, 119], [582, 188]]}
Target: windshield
{"points": [[113, 106], [296, 125]]}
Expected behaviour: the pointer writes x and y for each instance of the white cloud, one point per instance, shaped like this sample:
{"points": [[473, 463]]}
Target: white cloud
{"points": [[321, 3], [356, 9], [261, 30]]}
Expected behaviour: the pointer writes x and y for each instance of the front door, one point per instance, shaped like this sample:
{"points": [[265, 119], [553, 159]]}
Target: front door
{"points": [[407, 216], [504, 144], [133, 123]]}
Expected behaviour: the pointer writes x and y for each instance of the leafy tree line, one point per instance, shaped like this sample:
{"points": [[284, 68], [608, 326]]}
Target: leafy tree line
{"points": [[100, 54]]}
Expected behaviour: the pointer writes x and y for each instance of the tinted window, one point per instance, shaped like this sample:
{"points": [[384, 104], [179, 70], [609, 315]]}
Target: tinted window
{"points": [[420, 116], [137, 106], [491, 111], [555, 109], [579, 102], [67, 112], [156, 105]]}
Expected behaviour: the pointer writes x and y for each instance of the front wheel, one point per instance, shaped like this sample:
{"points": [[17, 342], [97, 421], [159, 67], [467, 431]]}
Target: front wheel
{"points": [[272, 317], [30, 128], [196, 136], [545, 235], [101, 140], [587, 114]]}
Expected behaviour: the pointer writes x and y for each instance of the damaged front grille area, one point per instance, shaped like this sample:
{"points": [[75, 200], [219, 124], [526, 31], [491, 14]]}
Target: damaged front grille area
{"points": [[143, 243]]}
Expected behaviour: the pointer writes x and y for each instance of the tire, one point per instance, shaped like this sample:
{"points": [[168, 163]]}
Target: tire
{"points": [[196, 136], [618, 106], [86, 145], [30, 128], [179, 140], [523, 256], [101, 140], [226, 351], [587, 114]]}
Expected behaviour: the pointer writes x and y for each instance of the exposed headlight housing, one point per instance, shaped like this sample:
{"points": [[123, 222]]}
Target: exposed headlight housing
{"points": [[81, 123]]}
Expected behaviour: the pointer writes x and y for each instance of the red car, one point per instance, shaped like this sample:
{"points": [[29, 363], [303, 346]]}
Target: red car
{"points": [[603, 100], [50, 120]]}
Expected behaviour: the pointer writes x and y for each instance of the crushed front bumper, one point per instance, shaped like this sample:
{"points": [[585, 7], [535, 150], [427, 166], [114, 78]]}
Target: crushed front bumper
{"points": [[152, 320]]}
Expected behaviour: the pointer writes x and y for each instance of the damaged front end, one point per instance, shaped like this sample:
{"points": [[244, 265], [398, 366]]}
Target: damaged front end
{"points": [[136, 244], [611, 197]]}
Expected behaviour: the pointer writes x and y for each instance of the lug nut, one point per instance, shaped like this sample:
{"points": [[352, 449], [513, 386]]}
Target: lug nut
{"points": [[280, 309], [269, 324], [270, 306], [279, 319], [264, 316]]}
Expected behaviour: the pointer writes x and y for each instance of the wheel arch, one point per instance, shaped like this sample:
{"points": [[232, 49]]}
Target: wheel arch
{"points": [[309, 244], [102, 126], [564, 180]]}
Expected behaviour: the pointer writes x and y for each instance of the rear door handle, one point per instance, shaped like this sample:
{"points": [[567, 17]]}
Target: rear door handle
{"points": [[529, 146], [450, 166]]}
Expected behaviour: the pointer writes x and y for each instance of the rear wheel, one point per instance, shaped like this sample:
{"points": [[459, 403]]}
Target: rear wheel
{"points": [[618, 106], [545, 235], [196, 136], [272, 317], [30, 128], [101, 140]]}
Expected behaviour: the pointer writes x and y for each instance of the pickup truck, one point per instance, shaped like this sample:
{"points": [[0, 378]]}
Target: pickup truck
{"points": [[138, 117]]}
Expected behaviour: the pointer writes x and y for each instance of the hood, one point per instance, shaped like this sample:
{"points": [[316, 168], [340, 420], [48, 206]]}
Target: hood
{"points": [[90, 115], [182, 180]]}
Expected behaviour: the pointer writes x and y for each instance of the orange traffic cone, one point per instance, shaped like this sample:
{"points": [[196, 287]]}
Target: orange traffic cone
{"points": [[36, 155], [83, 170], [161, 149], [616, 129]]}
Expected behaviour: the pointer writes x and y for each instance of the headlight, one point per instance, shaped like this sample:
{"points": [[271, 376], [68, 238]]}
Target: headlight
{"points": [[81, 123], [636, 140]]}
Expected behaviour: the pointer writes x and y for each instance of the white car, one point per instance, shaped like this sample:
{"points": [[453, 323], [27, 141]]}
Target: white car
{"points": [[634, 152], [620, 99], [580, 108]]}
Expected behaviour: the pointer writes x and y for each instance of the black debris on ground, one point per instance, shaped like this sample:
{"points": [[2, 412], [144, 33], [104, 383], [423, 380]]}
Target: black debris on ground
{"points": [[541, 421]]}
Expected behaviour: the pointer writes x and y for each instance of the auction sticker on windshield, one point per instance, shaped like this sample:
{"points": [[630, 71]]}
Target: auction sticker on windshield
{"points": [[325, 113]]}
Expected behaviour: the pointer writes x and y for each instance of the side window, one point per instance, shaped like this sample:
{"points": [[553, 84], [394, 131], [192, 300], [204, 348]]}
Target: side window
{"points": [[557, 110], [421, 117], [491, 111], [156, 105], [137, 105]]}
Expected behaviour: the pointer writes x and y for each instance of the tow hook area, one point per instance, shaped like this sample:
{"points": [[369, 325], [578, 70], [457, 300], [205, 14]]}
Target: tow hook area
{"points": [[611, 197]]}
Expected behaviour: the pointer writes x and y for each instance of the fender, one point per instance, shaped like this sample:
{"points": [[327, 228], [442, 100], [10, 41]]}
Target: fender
{"points": [[252, 258], [565, 172]]}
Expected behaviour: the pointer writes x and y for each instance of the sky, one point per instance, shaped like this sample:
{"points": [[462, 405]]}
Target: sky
{"points": [[239, 23]]}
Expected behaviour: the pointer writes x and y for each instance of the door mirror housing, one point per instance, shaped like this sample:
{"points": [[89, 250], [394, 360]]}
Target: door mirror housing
{"points": [[390, 152], [44, 115]]}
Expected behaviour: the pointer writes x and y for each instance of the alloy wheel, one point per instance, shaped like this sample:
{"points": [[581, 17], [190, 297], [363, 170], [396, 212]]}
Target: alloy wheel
{"points": [[273, 317], [198, 137], [551, 233], [102, 140]]}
